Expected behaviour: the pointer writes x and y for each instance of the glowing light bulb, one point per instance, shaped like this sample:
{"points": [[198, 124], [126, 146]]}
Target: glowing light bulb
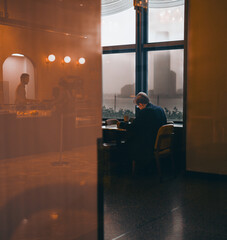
{"points": [[51, 58], [67, 59], [82, 60]]}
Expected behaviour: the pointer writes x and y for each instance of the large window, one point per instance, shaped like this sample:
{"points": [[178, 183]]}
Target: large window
{"points": [[143, 50]]}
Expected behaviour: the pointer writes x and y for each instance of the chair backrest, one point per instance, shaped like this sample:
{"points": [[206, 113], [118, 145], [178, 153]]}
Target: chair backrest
{"points": [[164, 137], [111, 121]]}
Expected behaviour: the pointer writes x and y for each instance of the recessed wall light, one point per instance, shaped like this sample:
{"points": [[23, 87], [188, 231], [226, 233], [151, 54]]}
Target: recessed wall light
{"points": [[17, 55], [82, 60], [51, 58], [67, 59]]}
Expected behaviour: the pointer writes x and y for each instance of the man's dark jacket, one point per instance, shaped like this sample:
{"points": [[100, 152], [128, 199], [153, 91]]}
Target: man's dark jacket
{"points": [[144, 129]]}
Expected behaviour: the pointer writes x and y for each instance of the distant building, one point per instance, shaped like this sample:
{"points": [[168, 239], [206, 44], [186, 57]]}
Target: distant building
{"points": [[151, 93], [180, 92], [128, 91], [164, 78]]}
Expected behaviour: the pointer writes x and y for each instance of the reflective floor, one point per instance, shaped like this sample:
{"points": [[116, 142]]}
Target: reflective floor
{"points": [[188, 207], [43, 197]]}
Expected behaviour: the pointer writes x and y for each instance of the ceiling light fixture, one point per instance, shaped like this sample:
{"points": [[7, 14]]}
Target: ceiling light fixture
{"points": [[17, 55]]}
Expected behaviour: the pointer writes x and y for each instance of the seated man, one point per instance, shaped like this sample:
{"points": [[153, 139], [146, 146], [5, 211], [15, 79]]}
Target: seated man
{"points": [[143, 131]]}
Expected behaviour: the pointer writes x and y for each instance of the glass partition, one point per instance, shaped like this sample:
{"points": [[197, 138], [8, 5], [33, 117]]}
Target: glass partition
{"points": [[50, 119]]}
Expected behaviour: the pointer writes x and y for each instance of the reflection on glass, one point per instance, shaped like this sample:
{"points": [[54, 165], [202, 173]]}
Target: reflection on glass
{"points": [[165, 81], [49, 119], [166, 24], [119, 28], [118, 85]]}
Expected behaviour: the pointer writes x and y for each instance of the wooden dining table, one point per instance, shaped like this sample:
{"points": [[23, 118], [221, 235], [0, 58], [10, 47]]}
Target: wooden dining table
{"points": [[112, 133], [113, 127]]}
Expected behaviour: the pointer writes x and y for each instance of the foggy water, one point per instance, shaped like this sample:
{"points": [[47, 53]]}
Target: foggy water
{"points": [[127, 103]]}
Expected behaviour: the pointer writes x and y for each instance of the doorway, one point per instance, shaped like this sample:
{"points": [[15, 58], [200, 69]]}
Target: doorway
{"points": [[13, 67]]}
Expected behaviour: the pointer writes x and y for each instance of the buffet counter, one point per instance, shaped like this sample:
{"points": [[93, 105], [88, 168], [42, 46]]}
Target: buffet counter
{"points": [[34, 131]]}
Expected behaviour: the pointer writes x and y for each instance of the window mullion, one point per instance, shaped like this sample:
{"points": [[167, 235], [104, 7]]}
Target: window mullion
{"points": [[141, 53]]}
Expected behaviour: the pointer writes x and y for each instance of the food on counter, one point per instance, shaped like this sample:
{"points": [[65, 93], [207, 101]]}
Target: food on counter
{"points": [[34, 113]]}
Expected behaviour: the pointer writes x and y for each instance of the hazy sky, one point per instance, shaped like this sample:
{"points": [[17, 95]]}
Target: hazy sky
{"points": [[119, 69]]}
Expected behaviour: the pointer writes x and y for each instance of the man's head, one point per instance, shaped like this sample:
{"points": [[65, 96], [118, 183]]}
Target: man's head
{"points": [[24, 78], [141, 100]]}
